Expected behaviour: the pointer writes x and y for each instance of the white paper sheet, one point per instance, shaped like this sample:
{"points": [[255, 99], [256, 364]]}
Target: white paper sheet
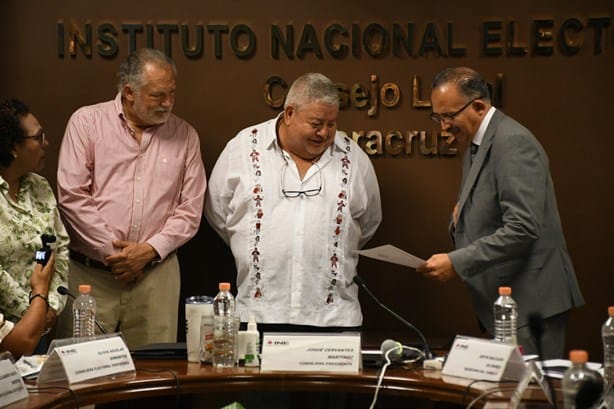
{"points": [[555, 368], [392, 254]]}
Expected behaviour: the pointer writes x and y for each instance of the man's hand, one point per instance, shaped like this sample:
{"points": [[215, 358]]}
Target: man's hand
{"points": [[438, 267], [128, 265]]}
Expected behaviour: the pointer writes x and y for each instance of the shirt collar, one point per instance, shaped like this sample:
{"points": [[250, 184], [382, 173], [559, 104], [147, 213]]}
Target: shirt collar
{"points": [[119, 108], [479, 135], [270, 138], [26, 181]]}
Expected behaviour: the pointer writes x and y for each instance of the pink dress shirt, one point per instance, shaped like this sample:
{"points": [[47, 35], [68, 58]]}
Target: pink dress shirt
{"points": [[110, 187]]}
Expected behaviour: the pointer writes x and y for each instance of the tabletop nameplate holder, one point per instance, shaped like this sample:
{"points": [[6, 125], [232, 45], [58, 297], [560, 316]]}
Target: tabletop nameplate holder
{"points": [[302, 352], [12, 388], [483, 359], [531, 372], [75, 360]]}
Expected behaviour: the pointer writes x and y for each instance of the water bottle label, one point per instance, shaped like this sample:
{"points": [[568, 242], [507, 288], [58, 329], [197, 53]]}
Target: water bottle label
{"points": [[206, 341]]}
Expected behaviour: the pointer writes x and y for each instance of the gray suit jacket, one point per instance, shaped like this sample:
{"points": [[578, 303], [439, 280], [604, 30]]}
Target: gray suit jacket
{"points": [[508, 231]]}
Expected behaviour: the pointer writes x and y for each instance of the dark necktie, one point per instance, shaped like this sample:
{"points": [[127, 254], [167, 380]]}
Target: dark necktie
{"points": [[474, 150]]}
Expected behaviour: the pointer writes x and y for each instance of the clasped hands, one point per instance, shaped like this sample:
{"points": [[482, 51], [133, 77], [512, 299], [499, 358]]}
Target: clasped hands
{"points": [[129, 264]]}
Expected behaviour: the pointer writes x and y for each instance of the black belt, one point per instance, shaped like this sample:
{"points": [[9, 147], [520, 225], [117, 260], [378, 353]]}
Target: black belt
{"points": [[86, 261]]}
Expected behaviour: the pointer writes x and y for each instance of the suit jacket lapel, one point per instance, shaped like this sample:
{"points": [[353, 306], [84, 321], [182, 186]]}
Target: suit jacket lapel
{"points": [[470, 172]]}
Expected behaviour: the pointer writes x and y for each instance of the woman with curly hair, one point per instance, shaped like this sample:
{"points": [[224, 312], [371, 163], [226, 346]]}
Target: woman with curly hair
{"points": [[28, 210]]}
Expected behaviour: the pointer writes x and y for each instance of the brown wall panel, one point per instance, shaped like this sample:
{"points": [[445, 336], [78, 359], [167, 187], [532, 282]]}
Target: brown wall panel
{"points": [[564, 99]]}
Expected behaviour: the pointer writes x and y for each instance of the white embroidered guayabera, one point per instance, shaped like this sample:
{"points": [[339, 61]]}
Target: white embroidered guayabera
{"points": [[258, 195]]}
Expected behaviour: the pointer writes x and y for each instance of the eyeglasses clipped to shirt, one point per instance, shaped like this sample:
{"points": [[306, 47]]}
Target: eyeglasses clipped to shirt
{"points": [[297, 193]]}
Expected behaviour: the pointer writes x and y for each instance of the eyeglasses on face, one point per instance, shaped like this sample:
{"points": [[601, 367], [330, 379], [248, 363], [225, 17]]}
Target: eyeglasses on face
{"points": [[39, 137], [449, 116], [296, 193]]}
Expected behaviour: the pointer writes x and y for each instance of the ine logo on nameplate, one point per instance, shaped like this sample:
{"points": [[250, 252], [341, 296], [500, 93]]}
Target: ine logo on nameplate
{"points": [[477, 358], [311, 352], [82, 361]]}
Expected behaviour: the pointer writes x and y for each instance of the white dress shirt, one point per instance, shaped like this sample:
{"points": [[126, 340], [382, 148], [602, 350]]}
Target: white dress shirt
{"points": [[111, 187], [295, 256]]}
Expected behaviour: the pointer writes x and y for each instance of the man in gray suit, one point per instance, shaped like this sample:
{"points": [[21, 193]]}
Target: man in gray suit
{"points": [[505, 226]]}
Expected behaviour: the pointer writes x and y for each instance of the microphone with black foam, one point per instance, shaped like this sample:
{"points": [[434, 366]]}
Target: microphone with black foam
{"points": [[589, 394], [427, 350], [64, 291]]}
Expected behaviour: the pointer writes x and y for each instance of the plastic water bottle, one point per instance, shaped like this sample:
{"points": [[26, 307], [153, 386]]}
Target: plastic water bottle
{"points": [[84, 312], [582, 386], [224, 329], [506, 317], [252, 343], [607, 333]]}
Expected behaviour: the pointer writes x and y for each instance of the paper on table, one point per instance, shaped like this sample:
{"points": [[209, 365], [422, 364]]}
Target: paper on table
{"points": [[30, 366], [555, 368], [392, 254]]}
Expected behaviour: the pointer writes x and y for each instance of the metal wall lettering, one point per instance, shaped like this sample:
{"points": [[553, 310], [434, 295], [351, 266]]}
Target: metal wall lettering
{"points": [[395, 143]]}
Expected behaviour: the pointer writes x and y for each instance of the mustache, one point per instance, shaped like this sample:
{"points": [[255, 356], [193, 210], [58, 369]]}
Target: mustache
{"points": [[453, 129]]}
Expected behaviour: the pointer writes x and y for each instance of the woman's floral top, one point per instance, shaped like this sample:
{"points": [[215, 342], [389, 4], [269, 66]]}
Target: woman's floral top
{"points": [[21, 227]]}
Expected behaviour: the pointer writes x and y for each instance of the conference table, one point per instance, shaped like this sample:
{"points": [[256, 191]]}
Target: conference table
{"points": [[176, 383]]}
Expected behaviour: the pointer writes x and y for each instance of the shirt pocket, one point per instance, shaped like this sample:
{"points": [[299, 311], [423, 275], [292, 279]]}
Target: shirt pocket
{"points": [[167, 176]]}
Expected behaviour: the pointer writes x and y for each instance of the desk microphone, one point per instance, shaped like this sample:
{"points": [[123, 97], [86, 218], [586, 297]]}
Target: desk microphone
{"points": [[427, 351], [395, 348], [64, 291]]}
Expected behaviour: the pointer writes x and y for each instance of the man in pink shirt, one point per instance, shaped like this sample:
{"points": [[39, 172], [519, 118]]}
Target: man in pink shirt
{"points": [[131, 186]]}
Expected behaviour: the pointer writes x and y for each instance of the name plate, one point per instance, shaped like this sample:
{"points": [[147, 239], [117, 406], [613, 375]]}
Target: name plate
{"points": [[12, 387], [87, 360], [484, 359], [531, 372], [311, 352]]}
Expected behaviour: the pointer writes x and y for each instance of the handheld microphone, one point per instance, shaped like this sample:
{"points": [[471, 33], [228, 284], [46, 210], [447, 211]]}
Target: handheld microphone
{"points": [[427, 350], [64, 291]]}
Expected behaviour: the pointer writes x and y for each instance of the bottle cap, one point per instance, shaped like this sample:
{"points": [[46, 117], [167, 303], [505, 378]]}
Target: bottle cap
{"points": [[611, 310], [85, 288], [224, 286], [251, 325], [505, 290], [578, 356]]}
